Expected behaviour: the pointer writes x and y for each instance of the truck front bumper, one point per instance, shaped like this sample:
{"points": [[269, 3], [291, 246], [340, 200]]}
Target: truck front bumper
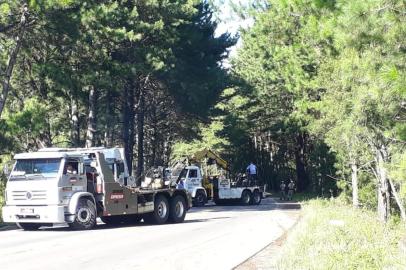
{"points": [[34, 214]]}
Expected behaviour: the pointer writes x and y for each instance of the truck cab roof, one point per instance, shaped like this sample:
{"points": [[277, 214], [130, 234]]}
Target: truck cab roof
{"points": [[114, 154], [42, 155]]}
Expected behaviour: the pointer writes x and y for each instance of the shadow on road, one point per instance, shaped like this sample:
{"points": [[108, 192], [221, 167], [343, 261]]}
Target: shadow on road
{"points": [[102, 226], [267, 204]]}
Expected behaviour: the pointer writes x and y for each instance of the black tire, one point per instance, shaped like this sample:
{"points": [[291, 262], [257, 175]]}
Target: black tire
{"points": [[256, 197], [200, 198], [245, 197], [28, 226], [177, 210], [85, 216], [161, 211]]}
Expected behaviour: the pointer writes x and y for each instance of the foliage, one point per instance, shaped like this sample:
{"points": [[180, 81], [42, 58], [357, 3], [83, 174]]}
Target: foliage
{"points": [[209, 140], [335, 236], [154, 67], [320, 86]]}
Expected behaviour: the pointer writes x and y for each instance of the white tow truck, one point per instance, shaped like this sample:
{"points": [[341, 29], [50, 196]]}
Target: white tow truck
{"points": [[203, 185], [75, 186]]}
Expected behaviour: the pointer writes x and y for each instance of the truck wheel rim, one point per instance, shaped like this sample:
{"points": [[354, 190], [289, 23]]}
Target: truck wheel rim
{"points": [[246, 198], [162, 210], [256, 197], [83, 215], [179, 209]]}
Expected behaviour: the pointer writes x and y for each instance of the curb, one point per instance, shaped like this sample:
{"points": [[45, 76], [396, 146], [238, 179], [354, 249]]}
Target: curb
{"points": [[279, 242]]}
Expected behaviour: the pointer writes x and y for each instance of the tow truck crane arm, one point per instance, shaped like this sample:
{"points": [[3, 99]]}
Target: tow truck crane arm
{"points": [[209, 154]]}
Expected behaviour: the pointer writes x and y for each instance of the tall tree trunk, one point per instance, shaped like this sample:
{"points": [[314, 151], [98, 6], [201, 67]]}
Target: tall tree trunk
{"points": [[383, 184], [140, 130], [109, 126], [167, 150], [154, 136], [13, 58], [91, 124], [75, 126], [398, 200], [302, 177], [354, 182], [128, 123]]}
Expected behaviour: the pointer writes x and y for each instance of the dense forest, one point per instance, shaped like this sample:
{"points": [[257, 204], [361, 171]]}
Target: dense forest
{"points": [[315, 93]]}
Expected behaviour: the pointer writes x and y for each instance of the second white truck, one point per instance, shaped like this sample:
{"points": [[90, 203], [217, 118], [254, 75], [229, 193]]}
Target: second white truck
{"points": [[219, 187]]}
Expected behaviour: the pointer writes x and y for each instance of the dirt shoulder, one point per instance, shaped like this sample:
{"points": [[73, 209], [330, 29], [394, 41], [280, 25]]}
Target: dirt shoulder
{"points": [[267, 257]]}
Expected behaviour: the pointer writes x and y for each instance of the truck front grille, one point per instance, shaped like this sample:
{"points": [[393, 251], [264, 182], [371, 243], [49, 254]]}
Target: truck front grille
{"points": [[29, 195]]}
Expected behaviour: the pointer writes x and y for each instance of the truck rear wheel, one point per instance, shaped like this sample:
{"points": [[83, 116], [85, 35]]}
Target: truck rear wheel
{"points": [[246, 197], [161, 211], [29, 226], [200, 198], [85, 216], [177, 211], [256, 197]]}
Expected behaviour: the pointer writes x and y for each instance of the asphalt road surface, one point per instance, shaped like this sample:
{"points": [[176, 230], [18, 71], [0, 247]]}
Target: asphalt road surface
{"points": [[212, 237]]}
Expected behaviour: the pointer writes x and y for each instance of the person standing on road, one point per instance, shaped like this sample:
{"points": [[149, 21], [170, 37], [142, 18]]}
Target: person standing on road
{"points": [[283, 192], [252, 173], [291, 188]]}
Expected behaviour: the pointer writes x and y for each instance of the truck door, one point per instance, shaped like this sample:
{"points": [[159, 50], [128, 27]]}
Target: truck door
{"points": [[73, 174], [193, 180]]}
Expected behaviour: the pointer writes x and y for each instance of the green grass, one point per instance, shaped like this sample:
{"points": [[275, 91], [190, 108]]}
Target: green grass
{"points": [[336, 236]]}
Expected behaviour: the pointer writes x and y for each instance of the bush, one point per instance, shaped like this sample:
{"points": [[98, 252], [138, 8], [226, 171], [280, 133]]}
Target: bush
{"points": [[333, 235]]}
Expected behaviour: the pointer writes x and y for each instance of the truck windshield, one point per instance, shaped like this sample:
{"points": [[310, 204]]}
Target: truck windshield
{"points": [[183, 174], [27, 168]]}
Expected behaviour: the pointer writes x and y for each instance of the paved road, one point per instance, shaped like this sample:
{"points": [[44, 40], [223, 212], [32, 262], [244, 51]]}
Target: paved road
{"points": [[212, 237]]}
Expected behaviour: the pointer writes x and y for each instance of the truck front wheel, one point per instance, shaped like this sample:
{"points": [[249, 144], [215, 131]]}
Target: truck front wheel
{"points": [[161, 211], [28, 226], [178, 209], [200, 198], [85, 218]]}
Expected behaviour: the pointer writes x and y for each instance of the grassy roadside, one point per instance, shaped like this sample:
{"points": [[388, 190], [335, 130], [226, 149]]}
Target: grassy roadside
{"points": [[335, 236]]}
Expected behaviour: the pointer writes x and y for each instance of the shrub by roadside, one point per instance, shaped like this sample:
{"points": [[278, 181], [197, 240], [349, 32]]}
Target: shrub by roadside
{"points": [[335, 236]]}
